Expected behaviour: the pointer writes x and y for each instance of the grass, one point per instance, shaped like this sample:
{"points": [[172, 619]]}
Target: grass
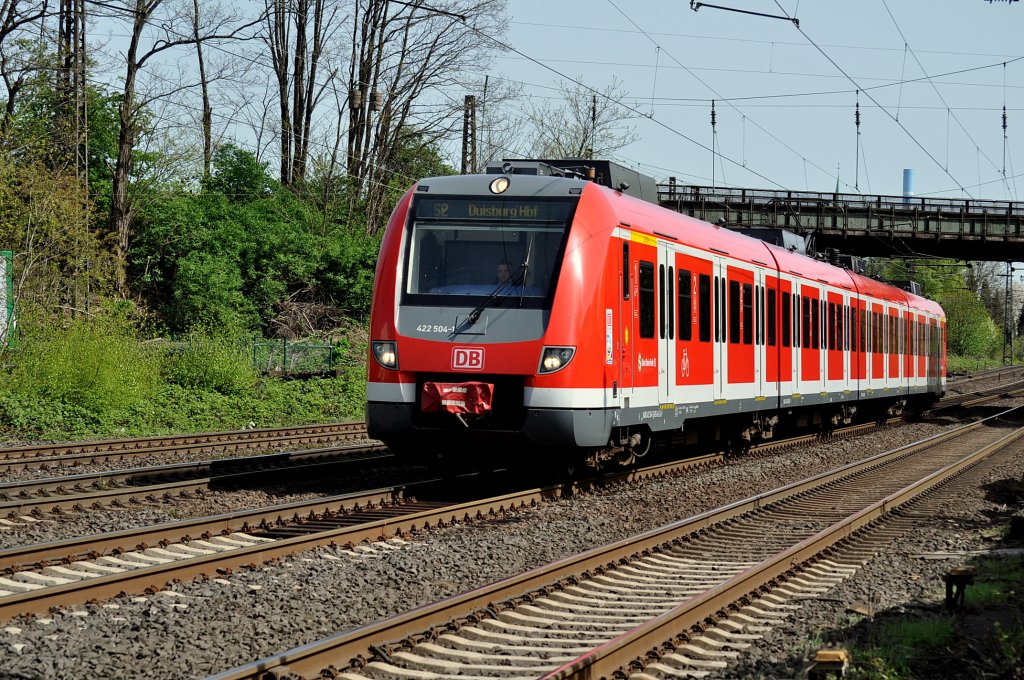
{"points": [[959, 364], [898, 646], [94, 379], [986, 639]]}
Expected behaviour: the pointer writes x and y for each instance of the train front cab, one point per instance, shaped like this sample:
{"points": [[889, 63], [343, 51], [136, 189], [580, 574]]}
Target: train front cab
{"points": [[475, 366]]}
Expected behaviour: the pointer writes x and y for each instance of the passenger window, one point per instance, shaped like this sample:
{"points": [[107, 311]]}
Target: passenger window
{"points": [[625, 270], [787, 318], [718, 333], [853, 330], [685, 305], [734, 312], [772, 316], [805, 332], [669, 302], [815, 324], [661, 301], [646, 301], [704, 307], [832, 326], [748, 309]]}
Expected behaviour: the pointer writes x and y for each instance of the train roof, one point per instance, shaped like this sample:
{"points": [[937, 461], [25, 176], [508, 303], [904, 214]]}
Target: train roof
{"points": [[643, 217]]}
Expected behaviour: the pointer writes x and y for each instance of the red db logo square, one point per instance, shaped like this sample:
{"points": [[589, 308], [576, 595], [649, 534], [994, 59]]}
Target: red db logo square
{"points": [[468, 358]]}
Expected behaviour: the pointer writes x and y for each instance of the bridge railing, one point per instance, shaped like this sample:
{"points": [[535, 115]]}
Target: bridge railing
{"points": [[669, 193]]}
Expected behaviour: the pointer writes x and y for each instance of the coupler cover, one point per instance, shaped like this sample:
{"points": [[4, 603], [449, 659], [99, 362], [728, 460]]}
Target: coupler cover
{"points": [[473, 398]]}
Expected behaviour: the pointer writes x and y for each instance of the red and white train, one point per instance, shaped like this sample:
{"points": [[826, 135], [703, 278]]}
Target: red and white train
{"points": [[525, 306]]}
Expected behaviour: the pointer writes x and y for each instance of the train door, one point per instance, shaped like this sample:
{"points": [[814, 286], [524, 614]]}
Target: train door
{"points": [[666, 323], [760, 355], [623, 333], [720, 354], [796, 340]]}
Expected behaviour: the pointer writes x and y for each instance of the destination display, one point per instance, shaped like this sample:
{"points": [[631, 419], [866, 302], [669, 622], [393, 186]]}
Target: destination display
{"points": [[484, 209]]}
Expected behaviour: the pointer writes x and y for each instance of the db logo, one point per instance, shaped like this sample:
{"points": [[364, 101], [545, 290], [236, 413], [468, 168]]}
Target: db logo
{"points": [[468, 358]]}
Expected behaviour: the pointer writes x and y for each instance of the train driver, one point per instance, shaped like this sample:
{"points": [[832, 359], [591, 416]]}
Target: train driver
{"points": [[504, 273]]}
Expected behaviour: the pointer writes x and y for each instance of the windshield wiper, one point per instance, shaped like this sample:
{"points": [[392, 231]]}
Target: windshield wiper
{"points": [[525, 266], [518, 276]]}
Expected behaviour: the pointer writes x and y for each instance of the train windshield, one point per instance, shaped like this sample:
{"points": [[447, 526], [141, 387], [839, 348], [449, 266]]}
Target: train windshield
{"points": [[505, 251]]}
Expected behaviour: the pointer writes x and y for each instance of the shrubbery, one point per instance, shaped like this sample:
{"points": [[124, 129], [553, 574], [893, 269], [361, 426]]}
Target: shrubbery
{"points": [[96, 365], [95, 379]]}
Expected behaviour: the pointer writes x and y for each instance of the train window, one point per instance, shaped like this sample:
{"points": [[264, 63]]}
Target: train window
{"points": [[669, 300], [704, 308], [787, 317], [853, 329], [841, 326], [469, 251], [887, 339], [831, 326], [721, 308], [625, 270], [761, 324], [805, 334], [685, 305], [796, 320], [734, 312], [748, 308], [646, 301], [758, 313], [718, 337], [816, 321], [772, 316], [663, 311]]}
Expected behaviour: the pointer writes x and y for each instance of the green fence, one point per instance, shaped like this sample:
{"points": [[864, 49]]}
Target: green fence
{"points": [[281, 357]]}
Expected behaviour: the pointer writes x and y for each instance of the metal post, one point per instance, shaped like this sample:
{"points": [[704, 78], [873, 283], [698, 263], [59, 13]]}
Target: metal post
{"points": [[469, 135], [1007, 313]]}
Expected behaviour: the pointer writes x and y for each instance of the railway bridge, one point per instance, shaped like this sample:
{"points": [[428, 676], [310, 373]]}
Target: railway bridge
{"points": [[865, 225]]}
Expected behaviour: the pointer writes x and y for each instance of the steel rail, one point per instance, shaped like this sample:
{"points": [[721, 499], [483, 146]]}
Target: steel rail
{"points": [[37, 555], [627, 650], [138, 580], [73, 453], [341, 650], [34, 496]]}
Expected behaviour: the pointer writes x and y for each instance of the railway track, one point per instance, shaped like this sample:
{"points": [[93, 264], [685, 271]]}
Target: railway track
{"points": [[80, 453], [676, 601], [36, 578], [1008, 390], [50, 497]]}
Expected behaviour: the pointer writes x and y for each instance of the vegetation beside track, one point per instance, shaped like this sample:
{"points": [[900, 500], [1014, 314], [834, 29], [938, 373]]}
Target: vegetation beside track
{"points": [[95, 379], [983, 640]]}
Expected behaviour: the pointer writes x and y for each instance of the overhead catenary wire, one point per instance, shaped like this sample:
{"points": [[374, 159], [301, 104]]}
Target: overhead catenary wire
{"points": [[711, 89], [884, 110], [618, 102], [934, 86]]}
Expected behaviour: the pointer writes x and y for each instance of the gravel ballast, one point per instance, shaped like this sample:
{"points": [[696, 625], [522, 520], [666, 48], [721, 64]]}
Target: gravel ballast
{"points": [[208, 626]]}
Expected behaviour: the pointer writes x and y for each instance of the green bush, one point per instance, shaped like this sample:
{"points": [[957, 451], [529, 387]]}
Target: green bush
{"points": [[220, 365], [96, 365]]}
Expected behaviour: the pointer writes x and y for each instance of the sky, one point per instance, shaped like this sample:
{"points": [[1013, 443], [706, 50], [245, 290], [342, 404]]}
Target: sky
{"points": [[785, 96]]}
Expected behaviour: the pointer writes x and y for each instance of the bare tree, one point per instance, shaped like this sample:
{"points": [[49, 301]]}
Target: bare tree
{"points": [[204, 88], [405, 58], [155, 27], [584, 124], [21, 23], [297, 32]]}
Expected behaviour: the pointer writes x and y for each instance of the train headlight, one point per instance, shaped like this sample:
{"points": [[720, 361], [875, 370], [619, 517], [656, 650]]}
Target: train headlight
{"points": [[499, 185], [555, 358], [386, 354]]}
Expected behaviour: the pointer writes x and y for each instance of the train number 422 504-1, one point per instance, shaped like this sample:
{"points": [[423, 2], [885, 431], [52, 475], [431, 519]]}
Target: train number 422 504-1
{"points": [[434, 328]]}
